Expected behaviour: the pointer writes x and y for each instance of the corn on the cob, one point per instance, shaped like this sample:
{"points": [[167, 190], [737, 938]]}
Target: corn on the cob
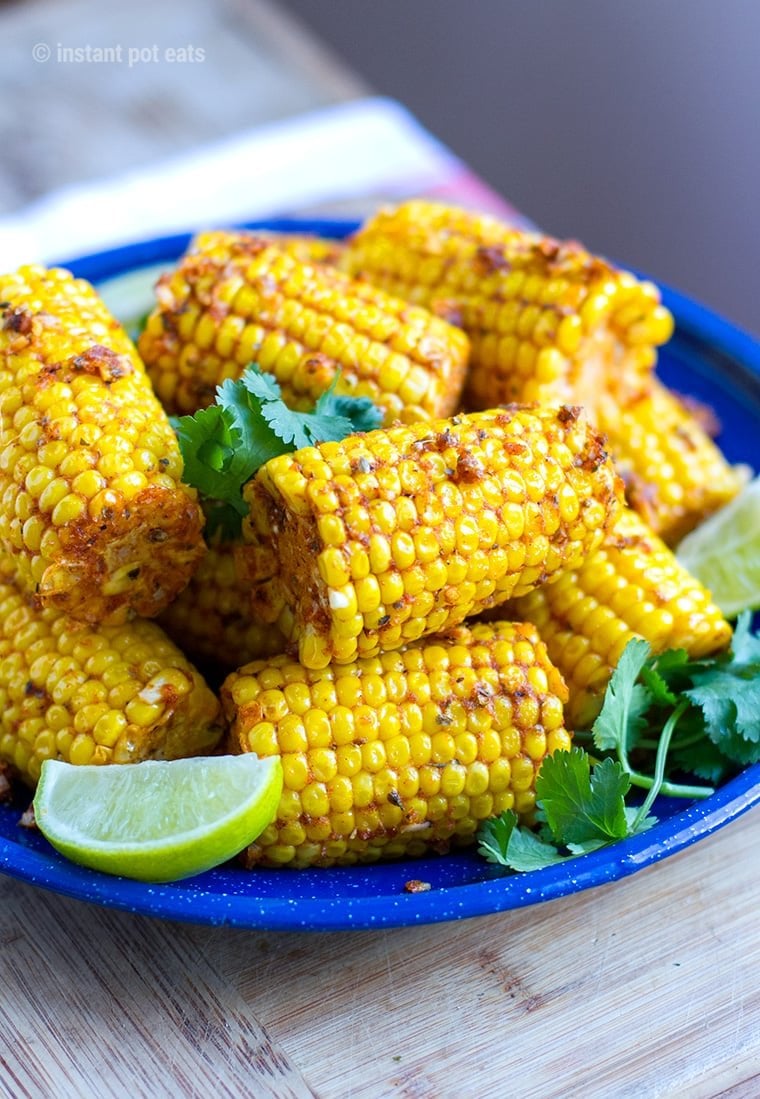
{"points": [[394, 755], [632, 587], [93, 513], [226, 307], [307, 249], [547, 321], [213, 619], [675, 475], [383, 538], [107, 694]]}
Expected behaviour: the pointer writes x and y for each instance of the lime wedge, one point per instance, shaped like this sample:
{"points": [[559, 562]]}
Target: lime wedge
{"points": [[157, 821], [724, 552]]}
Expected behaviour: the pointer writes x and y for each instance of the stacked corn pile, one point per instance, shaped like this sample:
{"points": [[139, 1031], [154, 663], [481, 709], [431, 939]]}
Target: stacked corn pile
{"points": [[348, 611]]}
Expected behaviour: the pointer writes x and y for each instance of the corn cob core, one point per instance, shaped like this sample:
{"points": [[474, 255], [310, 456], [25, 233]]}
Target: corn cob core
{"points": [[632, 587], [675, 475], [225, 307], [547, 321], [386, 537], [93, 513], [212, 617], [397, 754], [111, 694]]}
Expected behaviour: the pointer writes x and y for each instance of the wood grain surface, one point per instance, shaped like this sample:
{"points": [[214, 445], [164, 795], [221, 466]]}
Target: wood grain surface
{"points": [[648, 987]]}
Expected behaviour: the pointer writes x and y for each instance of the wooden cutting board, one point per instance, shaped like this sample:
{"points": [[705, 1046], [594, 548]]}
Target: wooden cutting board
{"points": [[646, 987]]}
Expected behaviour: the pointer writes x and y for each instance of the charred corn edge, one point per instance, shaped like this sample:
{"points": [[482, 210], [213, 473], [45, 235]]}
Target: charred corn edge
{"points": [[507, 497], [213, 319], [112, 694], [388, 757], [632, 587], [92, 508]]}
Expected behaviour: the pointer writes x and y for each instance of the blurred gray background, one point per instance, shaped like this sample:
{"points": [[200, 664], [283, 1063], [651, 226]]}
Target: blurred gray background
{"points": [[632, 126]]}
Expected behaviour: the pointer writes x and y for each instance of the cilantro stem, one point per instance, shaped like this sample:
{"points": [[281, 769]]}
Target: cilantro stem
{"points": [[657, 784]]}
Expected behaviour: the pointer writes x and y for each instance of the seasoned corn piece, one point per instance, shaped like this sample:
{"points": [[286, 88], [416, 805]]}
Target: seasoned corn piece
{"points": [[674, 474], [225, 307], [212, 618], [93, 514], [547, 321], [307, 249], [111, 694], [398, 754], [386, 537], [632, 587]]}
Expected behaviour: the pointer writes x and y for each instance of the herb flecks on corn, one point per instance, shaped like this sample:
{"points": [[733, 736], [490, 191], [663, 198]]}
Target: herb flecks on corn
{"points": [[111, 694], [226, 306], [675, 475], [632, 587], [93, 513], [213, 619], [547, 321], [402, 753], [386, 537]]}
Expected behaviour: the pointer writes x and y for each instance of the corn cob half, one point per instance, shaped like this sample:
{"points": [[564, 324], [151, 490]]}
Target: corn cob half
{"points": [[241, 299], [386, 537], [212, 618], [111, 694], [401, 753], [547, 321], [674, 474], [632, 587], [93, 513]]}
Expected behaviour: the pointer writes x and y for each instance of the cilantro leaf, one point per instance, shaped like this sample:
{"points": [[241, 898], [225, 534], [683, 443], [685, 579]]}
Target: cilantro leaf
{"points": [[727, 690], [699, 756], [621, 719], [223, 446], [261, 385], [580, 806], [661, 673], [363, 414], [208, 441], [527, 852], [501, 841]]}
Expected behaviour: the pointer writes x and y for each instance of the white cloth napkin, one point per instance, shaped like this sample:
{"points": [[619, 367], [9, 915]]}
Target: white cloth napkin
{"points": [[365, 147]]}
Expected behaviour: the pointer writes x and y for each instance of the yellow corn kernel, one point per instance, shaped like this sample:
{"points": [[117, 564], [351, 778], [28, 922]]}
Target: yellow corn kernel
{"points": [[501, 527], [586, 628], [303, 322], [547, 321], [53, 674], [75, 408], [365, 793], [675, 475]]}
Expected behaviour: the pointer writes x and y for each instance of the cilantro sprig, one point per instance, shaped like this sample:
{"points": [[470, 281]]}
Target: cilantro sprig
{"points": [[222, 446], [663, 717]]}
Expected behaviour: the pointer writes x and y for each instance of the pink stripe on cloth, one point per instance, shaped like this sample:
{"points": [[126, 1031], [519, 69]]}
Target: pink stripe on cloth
{"points": [[465, 188]]}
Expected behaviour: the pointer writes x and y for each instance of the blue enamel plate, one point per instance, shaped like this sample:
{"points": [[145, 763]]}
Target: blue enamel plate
{"points": [[708, 358]]}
